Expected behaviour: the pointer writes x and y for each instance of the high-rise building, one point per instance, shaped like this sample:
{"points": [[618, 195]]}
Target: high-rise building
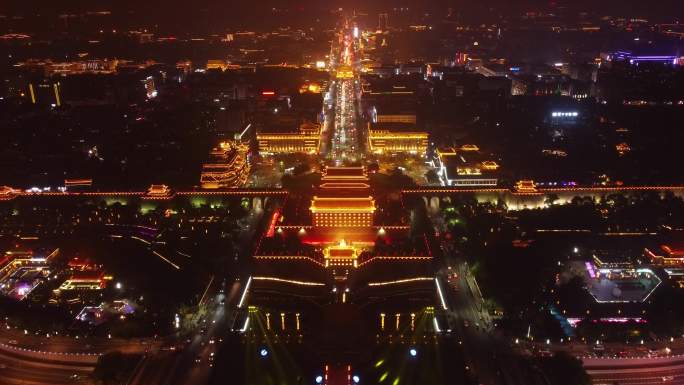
{"points": [[383, 22]]}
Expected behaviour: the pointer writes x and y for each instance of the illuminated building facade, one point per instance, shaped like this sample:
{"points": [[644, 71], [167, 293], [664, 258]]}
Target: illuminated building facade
{"points": [[344, 72], [14, 260], [311, 87], [342, 211], [343, 199], [77, 184], [85, 276], [228, 166], [150, 87], [222, 65], [396, 138], [21, 271], [466, 167], [7, 193], [396, 118], [306, 140], [80, 281], [526, 187], [49, 68], [158, 191], [341, 255], [671, 255]]}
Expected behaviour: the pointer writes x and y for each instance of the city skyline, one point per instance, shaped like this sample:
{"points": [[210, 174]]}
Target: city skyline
{"points": [[372, 193]]}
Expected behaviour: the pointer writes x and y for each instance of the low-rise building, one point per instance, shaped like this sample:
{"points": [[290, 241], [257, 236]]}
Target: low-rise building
{"points": [[669, 255], [466, 167], [397, 138], [305, 140]]}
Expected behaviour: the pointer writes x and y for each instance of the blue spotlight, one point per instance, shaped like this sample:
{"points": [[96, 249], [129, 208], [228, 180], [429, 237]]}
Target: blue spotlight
{"points": [[356, 379], [413, 352], [263, 352], [319, 379]]}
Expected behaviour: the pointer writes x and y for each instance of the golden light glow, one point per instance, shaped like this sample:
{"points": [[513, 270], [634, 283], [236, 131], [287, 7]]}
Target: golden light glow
{"points": [[306, 140], [291, 281], [158, 191], [490, 165], [341, 255], [400, 281], [526, 186], [468, 171], [228, 166], [394, 142], [344, 72], [469, 147], [396, 118], [342, 211], [313, 88]]}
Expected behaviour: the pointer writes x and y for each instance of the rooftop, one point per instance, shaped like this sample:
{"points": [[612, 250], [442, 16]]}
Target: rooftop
{"points": [[343, 204], [345, 173]]}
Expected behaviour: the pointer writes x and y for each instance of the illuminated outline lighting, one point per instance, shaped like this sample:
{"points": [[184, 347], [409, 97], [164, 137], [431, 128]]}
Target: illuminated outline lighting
{"points": [[434, 321], [400, 281], [165, 260], [244, 327], [441, 296], [244, 293], [294, 282]]}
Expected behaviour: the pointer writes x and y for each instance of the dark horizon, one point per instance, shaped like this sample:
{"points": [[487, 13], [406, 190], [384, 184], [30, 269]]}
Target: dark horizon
{"points": [[666, 9]]}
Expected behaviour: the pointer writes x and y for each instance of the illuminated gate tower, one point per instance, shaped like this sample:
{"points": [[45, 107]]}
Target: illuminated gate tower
{"points": [[343, 199], [343, 208]]}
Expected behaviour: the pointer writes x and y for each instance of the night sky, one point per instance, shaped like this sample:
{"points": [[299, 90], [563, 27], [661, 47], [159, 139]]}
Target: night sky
{"points": [[665, 9]]}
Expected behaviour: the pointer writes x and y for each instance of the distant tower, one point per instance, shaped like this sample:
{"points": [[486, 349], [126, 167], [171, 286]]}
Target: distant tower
{"points": [[383, 21]]}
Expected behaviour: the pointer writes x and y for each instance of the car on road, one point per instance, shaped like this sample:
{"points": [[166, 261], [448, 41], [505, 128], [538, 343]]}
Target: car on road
{"points": [[668, 378]]}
